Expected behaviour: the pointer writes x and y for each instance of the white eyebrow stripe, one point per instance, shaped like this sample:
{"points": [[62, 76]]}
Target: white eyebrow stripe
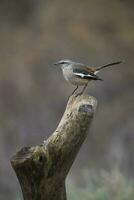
{"points": [[83, 75]]}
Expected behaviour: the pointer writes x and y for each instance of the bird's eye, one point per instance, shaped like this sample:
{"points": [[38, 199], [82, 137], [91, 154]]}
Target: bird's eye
{"points": [[62, 62]]}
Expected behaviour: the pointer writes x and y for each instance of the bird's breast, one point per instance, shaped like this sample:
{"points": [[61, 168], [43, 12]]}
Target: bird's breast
{"points": [[70, 77], [67, 73]]}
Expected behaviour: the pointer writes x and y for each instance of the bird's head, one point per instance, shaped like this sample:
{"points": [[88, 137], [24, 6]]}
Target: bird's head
{"points": [[64, 63]]}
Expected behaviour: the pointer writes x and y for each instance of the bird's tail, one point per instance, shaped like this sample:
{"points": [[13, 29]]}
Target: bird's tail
{"points": [[110, 64]]}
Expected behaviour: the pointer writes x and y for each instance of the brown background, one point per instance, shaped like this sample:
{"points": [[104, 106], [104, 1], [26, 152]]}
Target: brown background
{"points": [[33, 93]]}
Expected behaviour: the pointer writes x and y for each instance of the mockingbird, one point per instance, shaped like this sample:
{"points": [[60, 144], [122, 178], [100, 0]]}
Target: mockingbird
{"points": [[79, 74]]}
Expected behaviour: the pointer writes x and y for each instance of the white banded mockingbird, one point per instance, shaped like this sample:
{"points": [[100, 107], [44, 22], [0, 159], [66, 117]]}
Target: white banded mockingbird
{"points": [[79, 74]]}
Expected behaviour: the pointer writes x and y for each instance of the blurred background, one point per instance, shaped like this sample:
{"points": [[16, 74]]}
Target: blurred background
{"points": [[33, 93]]}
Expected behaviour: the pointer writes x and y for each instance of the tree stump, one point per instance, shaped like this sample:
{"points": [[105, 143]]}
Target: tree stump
{"points": [[42, 170]]}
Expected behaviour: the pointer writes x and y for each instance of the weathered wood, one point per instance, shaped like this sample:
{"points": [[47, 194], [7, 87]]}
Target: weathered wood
{"points": [[42, 169]]}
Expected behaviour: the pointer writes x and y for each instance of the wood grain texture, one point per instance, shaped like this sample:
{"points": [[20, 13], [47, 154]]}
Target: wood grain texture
{"points": [[42, 169]]}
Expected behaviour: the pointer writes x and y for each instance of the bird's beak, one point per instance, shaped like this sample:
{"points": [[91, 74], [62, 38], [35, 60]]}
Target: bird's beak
{"points": [[56, 63]]}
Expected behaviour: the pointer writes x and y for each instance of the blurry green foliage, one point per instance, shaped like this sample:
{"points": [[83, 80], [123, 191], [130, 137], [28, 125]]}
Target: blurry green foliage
{"points": [[108, 186]]}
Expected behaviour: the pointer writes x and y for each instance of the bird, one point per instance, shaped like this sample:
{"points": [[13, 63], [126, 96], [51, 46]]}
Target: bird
{"points": [[79, 74]]}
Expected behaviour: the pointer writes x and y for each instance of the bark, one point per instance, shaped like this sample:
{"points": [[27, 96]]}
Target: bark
{"points": [[42, 169]]}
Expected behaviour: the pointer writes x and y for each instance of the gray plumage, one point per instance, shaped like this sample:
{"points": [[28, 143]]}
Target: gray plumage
{"points": [[80, 74]]}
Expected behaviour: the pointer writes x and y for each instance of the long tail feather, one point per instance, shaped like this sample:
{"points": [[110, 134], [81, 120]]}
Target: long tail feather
{"points": [[110, 64]]}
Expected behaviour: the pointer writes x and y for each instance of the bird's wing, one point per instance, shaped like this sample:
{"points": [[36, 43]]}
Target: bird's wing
{"points": [[85, 72]]}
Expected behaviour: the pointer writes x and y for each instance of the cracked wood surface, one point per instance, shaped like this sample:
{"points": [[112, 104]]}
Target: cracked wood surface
{"points": [[42, 170]]}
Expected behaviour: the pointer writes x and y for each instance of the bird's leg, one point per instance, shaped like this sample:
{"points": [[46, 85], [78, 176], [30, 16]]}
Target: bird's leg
{"points": [[83, 89], [75, 90]]}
